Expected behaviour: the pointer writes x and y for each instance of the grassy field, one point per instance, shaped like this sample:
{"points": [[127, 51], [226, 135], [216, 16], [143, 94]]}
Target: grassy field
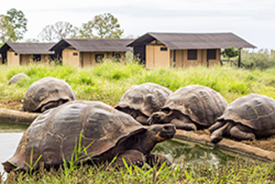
{"points": [[107, 82]]}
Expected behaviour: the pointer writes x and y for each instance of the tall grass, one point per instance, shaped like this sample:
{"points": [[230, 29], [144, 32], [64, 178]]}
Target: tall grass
{"points": [[239, 171], [107, 82]]}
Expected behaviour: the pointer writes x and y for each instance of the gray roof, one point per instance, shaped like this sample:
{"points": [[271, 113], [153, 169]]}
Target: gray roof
{"points": [[28, 48], [177, 41], [95, 45]]}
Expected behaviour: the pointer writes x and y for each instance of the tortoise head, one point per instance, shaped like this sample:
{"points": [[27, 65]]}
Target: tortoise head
{"points": [[159, 133], [157, 117]]}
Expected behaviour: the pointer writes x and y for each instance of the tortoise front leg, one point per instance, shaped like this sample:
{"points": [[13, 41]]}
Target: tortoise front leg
{"points": [[215, 126], [241, 132], [142, 119], [157, 160], [131, 157], [217, 135], [181, 124]]}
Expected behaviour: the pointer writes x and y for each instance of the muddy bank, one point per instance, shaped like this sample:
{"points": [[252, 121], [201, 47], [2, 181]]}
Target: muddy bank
{"points": [[245, 147]]}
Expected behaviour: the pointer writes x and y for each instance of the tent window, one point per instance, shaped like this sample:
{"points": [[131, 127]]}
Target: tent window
{"points": [[192, 54], [163, 49], [211, 53], [99, 58], [36, 57]]}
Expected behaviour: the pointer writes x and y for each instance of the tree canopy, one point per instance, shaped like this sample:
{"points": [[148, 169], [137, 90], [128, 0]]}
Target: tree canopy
{"points": [[12, 25], [102, 26], [58, 31], [230, 52]]}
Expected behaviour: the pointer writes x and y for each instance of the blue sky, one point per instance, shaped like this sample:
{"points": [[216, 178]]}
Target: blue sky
{"points": [[252, 20]]}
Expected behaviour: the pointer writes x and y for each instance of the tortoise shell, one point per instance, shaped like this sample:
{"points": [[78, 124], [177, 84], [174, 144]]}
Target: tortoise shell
{"points": [[16, 78], [255, 111], [201, 104], [55, 134], [146, 98], [44, 91]]}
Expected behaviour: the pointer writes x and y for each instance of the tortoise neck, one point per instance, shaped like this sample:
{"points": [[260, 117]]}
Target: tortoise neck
{"points": [[146, 143]]}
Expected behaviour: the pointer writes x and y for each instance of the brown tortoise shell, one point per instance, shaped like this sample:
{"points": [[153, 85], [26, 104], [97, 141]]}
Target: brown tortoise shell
{"points": [[55, 132], [45, 90], [253, 110], [202, 104], [135, 98]]}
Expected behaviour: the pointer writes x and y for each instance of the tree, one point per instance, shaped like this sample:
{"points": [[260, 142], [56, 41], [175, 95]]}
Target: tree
{"points": [[230, 52], [12, 26], [18, 21], [58, 31], [7, 33], [105, 25]]}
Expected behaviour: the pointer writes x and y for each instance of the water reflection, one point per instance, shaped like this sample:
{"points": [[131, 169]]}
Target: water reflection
{"points": [[190, 152], [8, 144]]}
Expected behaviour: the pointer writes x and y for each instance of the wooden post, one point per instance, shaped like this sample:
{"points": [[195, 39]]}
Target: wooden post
{"points": [[239, 60]]}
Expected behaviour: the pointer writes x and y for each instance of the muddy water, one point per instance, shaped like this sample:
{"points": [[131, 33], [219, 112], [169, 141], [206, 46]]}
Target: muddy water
{"points": [[177, 150]]}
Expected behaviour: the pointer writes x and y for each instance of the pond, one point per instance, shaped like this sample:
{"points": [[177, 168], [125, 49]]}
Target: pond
{"points": [[179, 150]]}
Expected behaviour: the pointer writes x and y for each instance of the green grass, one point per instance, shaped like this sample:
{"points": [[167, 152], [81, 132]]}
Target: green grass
{"points": [[239, 171], [107, 82]]}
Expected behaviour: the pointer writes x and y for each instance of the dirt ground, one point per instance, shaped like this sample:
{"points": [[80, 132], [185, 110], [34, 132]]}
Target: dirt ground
{"points": [[14, 105], [265, 143]]}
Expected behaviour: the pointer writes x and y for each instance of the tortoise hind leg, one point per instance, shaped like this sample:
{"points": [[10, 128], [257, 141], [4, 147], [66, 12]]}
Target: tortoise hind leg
{"points": [[185, 125], [242, 132], [131, 157]]}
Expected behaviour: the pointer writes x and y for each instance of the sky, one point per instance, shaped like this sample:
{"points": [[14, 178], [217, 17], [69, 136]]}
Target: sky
{"points": [[252, 20]]}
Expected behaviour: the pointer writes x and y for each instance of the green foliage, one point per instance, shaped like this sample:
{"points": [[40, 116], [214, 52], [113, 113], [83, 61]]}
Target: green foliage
{"points": [[18, 22], [7, 33], [262, 59], [102, 26], [108, 81], [12, 26], [239, 171], [230, 52]]}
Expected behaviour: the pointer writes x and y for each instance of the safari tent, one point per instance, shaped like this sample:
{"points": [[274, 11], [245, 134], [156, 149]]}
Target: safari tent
{"points": [[23, 53], [184, 49], [87, 52]]}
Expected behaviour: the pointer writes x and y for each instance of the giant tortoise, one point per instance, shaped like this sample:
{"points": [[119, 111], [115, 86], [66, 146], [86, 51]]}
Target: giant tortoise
{"points": [[16, 78], [247, 118], [140, 101], [191, 107], [101, 132], [46, 93]]}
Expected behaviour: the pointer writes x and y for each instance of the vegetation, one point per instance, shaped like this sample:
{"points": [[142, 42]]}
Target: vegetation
{"points": [[12, 26], [108, 81], [239, 171], [102, 26], [58, 31], [230, 52], [105, 25]]}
